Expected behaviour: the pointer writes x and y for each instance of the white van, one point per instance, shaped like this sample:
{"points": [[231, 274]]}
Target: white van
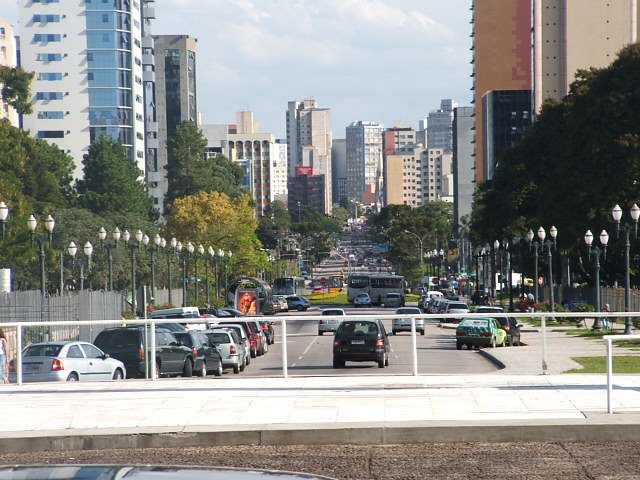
{"points": [[182, 315]]}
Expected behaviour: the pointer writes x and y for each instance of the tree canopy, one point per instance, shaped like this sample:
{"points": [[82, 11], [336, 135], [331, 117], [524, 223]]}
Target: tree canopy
{"points": [[16, 88]]}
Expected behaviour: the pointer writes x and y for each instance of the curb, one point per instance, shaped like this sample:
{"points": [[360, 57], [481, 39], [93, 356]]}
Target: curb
{"points": [[492, 359]]}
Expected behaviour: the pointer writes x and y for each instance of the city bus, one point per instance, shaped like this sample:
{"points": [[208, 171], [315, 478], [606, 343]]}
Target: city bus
{"points": [[288, 286], [336, 282], [377, 285]]}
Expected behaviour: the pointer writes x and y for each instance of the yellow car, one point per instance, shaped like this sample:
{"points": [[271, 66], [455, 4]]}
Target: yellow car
{"points": [[479, 332]]}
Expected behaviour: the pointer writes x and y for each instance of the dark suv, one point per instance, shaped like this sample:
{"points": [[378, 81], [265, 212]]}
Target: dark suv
{"points": [[206, 356], [361, 341], [127, 344]]}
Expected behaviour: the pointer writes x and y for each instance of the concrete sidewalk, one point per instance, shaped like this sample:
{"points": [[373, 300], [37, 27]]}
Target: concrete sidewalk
{"points": [[515, 404]]}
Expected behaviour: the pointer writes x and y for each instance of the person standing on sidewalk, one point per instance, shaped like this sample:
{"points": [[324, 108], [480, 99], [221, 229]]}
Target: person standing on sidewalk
{"points": [[4, 362], [605, 320]]}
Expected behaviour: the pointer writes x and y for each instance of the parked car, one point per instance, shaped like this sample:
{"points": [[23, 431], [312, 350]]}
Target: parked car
{"points": [[488, 309], [362, 300], [404, 324], [265, 338], [128, 345], [297, 302], [267, 330], [232, 312], [437, 304], [256, 337], [244, 339], [512, 328], [361, 341], [206, 356], [280, 303], [393, 300], [189, 317], [456, 310], [228, 344], [331, 323], [67, 361], [479, 332]]}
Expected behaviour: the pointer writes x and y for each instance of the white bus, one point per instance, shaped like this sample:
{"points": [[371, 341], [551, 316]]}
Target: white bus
{"points": [[376, 285]]}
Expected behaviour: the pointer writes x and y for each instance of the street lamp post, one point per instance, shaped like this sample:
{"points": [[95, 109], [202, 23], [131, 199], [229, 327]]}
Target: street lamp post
{"points": [[210, 257], [494, 267], [421, 244], [626, 230], [4, 214], [49, 224], [595, 252], [133, 248], [102, 235], [221, 261], [539, 246], [184, 272], [476, 256], [173, 250], [157, 240], [198, 253], [83, 262], [226, 271], [189, 252]]}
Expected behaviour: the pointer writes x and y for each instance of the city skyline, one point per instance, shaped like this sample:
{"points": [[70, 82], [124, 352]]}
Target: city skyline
{"points": [[259, 55]]}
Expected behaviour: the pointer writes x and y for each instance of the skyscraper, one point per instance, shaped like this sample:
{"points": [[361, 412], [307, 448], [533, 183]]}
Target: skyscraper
{"points": [[439, 125], [87, 57], [364, 162], [176, 99]]}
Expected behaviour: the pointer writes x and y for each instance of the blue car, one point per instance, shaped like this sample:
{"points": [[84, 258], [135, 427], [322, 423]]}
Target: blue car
{"points": [[298, 303]]}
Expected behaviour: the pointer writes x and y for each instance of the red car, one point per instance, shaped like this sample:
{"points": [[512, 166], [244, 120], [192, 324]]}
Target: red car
{"points": [[256, 337]]}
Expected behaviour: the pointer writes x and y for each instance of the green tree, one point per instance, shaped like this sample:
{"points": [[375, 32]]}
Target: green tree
{"points": [[189, 171], [112, 183], [16, 88]]}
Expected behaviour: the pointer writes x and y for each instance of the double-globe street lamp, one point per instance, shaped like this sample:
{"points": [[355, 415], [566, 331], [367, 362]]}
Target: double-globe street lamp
{"points": [[626, 230], [539, 246], [595, 252], [133, 248], [420, 243], [4, 214], [152, 249], [45, 238], [82, 262], [109, 247]]}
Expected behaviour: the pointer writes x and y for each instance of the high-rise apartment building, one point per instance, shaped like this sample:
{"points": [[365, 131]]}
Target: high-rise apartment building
{"points": [[87, 59], [364, 162], [403, 176], [309, 126], [501, 56], [575, 34], [439, 126], [175, 99], [339, 168], [8, 58], [463, 162], [436, 174]]}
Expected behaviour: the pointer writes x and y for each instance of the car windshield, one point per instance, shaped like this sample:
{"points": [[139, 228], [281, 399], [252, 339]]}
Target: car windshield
{"points": [[458, 305], [408, 310], [42, 351], [184, 338], [333, 312], [118, 338], [475, 322], [359, 328], [219, 337]]}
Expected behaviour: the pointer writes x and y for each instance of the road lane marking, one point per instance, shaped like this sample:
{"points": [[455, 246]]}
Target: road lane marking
{"points": [[306, 349]]}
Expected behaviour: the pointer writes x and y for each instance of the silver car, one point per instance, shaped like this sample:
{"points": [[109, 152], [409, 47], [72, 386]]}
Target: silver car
{"points": [[404, 324], [242, 335], [230, 347], [331, 323], [67, 361]]}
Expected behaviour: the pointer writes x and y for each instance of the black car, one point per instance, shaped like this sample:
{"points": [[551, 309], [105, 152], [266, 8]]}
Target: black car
{"points": [[361, 341], [127, 344], [512, 327], [267, 329], [206, 356]]}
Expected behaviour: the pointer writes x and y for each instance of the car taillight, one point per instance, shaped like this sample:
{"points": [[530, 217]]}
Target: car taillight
{"points": [[337, 344], [232, 349], [380, 343], [141, 353], [57, 365], [506, 328], [12, 367], [195, 352], [487, 334], [252, 341], [265, 327]]}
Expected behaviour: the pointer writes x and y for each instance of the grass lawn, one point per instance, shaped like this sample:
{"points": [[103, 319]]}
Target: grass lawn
{"points": [[621, 364], [598, 334]]}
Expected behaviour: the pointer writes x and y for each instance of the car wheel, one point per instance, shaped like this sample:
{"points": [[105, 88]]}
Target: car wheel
{"points": [[187, 370], [73, 377], [157, 370], [381, 363], [253, 353], [248, 358], [493, 342], [265, 349], [300, 308], [260, 352], [243, 365], [117, 375], [458, 346], [422, 332], [469, 346], [203, 370], [218, 371], [517, 344], [386, 361], [236, 369], [320, 333], [338, 362], [393, 332]]}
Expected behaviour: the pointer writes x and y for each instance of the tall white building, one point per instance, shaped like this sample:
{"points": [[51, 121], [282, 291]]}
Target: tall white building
{"points": [[439, 126], [8, 59], [87, 59], [364, 161], [437, 178], [309, 127]]}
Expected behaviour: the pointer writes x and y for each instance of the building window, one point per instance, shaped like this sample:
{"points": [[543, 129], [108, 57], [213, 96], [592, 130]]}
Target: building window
{"points": [[49, 57], [49, 76], [46, 18], [49, 96], [51, 115], [46, 37], [51, 134]]}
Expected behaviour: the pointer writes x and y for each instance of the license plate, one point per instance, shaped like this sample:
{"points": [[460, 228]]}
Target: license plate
{"points": [[31, 368], [357, 342]]}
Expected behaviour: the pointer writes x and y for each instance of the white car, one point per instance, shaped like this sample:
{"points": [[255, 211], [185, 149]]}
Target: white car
{"points": [[332, 322], [404, 324], [69, 361], [457, 309], [362, 300]]}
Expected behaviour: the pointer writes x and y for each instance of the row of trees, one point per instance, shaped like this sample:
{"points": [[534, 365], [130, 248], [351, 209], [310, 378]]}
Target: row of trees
{"points": [[579, 159]]}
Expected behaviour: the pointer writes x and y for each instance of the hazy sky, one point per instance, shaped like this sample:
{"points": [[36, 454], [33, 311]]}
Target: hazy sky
{"points": [[385, 60]]}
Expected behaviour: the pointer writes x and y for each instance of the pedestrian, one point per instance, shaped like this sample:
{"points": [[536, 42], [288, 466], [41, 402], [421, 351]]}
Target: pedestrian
{"points": [[605, 320], [4, 362]]}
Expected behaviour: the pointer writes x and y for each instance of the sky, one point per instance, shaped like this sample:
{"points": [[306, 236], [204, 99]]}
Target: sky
{"points": [[389, 61]]}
